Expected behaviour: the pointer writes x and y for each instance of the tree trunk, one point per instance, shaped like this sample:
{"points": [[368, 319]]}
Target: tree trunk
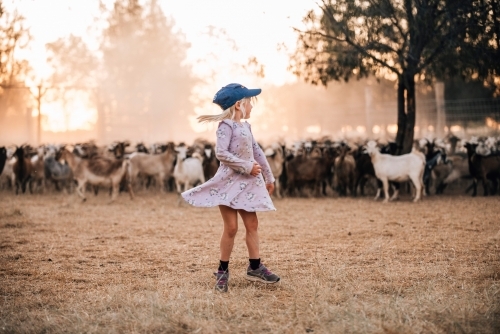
{"points": [[401, 115], [410, 114]]}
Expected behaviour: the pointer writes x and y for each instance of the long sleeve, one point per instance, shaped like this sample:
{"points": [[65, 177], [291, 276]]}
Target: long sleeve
{"points": [[260, 157], [224, 133]]}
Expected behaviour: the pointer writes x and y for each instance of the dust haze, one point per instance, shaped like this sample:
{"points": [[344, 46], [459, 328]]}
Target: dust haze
{"points": [[137, 86]]}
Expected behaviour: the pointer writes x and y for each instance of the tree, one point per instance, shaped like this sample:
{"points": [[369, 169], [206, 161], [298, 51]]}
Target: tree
{"points": [[13, 36], [475, 57], [404, 39], [140, 83], [13, 71], [146, 79]]}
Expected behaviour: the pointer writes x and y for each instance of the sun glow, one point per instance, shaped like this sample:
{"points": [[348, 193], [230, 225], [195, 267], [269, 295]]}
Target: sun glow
{"points": [[75, 115], [223, 36], [392, 128]]}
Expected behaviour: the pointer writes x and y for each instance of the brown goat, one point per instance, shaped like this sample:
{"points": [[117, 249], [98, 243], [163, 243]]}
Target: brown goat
{"points": [[306, 169], [210, 162], [484, 168], [345, 172], [38, 171], [97, 171]]}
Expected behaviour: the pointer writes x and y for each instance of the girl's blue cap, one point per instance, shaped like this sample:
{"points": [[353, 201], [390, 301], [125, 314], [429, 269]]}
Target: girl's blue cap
{"points": [[228, 95]]}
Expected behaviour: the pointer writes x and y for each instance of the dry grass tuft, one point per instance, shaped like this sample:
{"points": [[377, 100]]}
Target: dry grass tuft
{"points": [[347, 266]]}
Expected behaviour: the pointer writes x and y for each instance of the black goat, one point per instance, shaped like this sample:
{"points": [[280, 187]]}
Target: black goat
{"points": [[22, 169], [3, 158]]}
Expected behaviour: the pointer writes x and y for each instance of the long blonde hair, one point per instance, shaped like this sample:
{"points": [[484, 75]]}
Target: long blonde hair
{"points": [[226, 114]]}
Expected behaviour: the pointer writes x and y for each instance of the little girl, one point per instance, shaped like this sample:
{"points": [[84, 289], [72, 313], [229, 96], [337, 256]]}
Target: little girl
{"points": [[243, 183]]}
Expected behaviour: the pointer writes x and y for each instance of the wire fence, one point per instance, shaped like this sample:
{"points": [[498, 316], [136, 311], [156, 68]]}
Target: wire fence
{"points": [[365, 117], [462, 118]]}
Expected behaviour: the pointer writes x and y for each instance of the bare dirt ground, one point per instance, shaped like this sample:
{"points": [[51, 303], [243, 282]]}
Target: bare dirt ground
{"points": [[347, 266]]}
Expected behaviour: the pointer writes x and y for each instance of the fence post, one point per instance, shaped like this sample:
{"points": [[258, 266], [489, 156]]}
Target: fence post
{"points": [[368, 110], [440, 109], [39, 125], [29, 125]]}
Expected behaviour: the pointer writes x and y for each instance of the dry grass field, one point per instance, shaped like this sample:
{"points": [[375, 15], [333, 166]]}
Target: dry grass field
{"points": [[347, 266]]}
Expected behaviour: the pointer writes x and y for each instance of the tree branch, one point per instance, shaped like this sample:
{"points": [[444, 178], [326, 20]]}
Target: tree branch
{"points": [[359, 48], [347, 40], [393, 18], [441, 46]]}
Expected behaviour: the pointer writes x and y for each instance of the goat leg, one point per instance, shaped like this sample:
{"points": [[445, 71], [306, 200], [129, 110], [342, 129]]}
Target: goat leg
{"points": [[80, 189], [494, 189], [440, 189], [419, 188], [278, 188], [485, 185], [114, 191], [352, 189], [385, 184], [356, 184], [474, 187], [23, 186], [130, 190], [395, 193]]}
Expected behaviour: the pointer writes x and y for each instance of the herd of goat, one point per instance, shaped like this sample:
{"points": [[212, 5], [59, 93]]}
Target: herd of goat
{"points": [[307, 168]]}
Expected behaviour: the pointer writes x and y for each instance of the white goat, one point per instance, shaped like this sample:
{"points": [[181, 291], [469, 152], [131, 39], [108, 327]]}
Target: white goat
{"points": [[398, 168], [8, 177], [187, 171], [491, 143], [276, 158]]}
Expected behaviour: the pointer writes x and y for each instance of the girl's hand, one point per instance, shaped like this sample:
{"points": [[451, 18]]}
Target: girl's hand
{"points": [[256, 169], [270, 188]]}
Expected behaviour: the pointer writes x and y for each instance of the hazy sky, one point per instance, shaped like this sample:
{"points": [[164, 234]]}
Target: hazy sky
{"points": [[244, 29], [257, 27]]}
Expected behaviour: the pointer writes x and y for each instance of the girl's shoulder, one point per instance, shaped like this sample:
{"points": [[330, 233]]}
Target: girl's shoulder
{"points": [[228, 122], [233, 124], [248, 125]]}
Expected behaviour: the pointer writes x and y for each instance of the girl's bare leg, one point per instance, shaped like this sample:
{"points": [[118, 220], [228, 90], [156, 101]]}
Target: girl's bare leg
{"points": [[252, 236], [230, 218]]}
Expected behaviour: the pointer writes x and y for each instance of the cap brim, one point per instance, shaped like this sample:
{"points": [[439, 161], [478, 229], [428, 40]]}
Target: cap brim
{"points": [[253, 92]]}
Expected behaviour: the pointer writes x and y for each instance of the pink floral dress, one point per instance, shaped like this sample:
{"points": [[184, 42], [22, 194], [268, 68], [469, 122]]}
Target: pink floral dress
{"points": [[233, 185]]}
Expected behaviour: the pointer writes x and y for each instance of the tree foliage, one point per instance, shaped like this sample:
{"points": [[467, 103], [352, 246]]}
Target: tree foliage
{"points": [[397, 39], [14, 35], [475, 57]]}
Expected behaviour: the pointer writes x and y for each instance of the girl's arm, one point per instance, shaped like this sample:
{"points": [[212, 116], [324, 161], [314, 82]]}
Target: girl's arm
{"points": [[260, 157], [227, 158]]}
